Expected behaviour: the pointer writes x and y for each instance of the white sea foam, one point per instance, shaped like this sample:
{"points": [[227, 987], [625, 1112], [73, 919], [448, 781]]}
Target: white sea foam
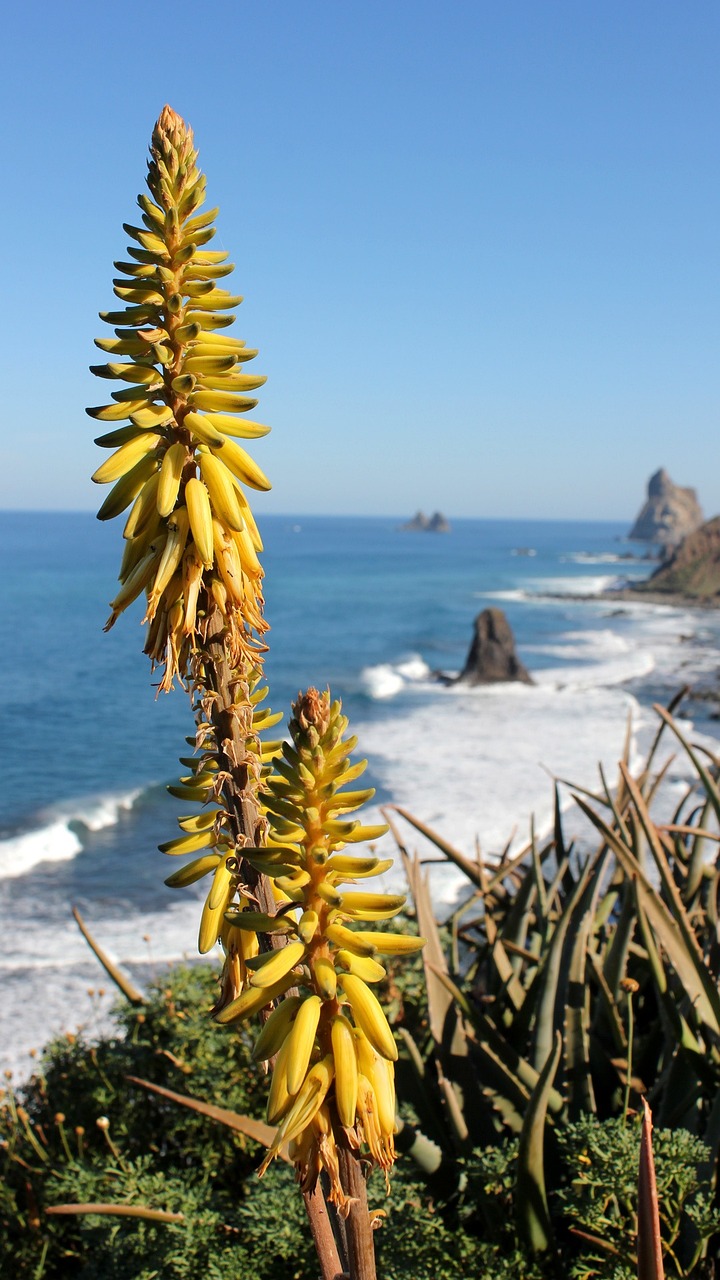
{"points": [[56, 989], [608, 659], [52, 843], [583, 585], [388, 679], [476, 765], [60, 837], [540, 588], [594, 557]]}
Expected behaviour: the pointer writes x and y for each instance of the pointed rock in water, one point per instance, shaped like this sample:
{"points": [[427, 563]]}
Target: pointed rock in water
{"points": [[492, 658], [418, 524], [438, 523], [669, 514]]}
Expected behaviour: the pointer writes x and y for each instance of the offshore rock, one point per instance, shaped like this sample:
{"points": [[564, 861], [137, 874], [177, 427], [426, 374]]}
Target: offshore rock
{"points": [[693, 569], [492, 658], [421, 523], [669, 514]]}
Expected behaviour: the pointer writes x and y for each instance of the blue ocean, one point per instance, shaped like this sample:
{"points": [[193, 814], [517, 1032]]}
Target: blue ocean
{"points": [[353, 603]]}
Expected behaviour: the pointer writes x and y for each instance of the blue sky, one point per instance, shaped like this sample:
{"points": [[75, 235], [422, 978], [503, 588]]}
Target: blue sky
{"points": [[478, 243]]}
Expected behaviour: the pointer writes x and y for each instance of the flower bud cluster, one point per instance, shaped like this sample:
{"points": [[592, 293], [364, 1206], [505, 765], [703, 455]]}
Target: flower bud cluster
{"points": [[191, 542], [326, 1033]]}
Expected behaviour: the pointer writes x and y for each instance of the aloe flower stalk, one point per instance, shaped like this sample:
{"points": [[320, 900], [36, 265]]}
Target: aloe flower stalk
{"points": [[267, 822], [333, 1050], [191, 542]]}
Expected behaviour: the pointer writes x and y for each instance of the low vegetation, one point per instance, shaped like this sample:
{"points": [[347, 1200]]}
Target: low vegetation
{"points": [[569, 984]]}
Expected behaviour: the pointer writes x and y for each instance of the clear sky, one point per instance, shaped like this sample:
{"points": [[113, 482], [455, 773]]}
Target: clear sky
{"points": [[478, 242]]}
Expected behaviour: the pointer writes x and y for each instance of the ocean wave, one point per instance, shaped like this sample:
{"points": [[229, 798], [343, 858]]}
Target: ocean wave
{"points": [[386, 679], [60, 837], [599, 659], [583, 585], [595, 557]]}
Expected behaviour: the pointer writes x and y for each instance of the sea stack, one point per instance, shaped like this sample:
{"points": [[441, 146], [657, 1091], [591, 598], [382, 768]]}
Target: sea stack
{"points": [[492, 658], [669, 514], [420, 523]]}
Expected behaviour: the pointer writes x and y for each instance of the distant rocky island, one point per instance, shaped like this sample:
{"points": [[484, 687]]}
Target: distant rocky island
{"points": [[421, 523], [668, 515], [672, 520]]}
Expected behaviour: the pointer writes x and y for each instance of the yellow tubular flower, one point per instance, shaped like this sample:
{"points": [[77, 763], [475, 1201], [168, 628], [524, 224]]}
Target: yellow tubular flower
{"points": [[335, 1050], [191, 541]]}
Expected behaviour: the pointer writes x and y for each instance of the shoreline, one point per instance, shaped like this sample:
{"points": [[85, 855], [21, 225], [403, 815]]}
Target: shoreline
{"points": [[631, 595]]}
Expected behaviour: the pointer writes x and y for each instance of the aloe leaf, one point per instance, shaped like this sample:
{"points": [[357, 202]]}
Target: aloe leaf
{"points": [[550, 974], [464, 864], [515, 865], [666, 714], [581, 1096], [440, 1001], [606, 1003], [255, 1129], [562, 880], [616, 955], [454, 1104], [697, 860], [649, 1247], [677, 907], [680, 1032], [423, 1097], [114, 972], [117, 1211], [614, 806], [503, 964], [517, 920], [428, 1156], [561, 851], [689, 967], [530, 1195], [537, 871], [517, 1071], [706, 778]]}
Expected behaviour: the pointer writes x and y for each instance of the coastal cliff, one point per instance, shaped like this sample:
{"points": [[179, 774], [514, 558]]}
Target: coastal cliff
{"points": [[693, 569]]}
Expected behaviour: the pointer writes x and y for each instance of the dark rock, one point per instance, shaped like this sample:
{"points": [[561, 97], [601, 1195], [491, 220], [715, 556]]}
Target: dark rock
{"points": [[492, 657], [438, 524], [421, 523], [669, 514], [693, 569]]}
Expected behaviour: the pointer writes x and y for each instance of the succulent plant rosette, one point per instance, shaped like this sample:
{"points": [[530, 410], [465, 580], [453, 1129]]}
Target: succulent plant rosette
{"points": [[269, 821]]}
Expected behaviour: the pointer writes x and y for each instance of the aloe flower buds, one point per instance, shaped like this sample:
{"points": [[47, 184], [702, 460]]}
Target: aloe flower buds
{"points": [[191, 543], [333, 1048]]}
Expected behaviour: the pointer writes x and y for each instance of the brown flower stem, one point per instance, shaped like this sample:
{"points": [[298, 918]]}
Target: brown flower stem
{"points": [[324, 1240], [358, 1228], [231, 716]]}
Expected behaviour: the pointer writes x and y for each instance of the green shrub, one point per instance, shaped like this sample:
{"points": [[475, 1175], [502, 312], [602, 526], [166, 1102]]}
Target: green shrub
{"points": [[158, 1154]]}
